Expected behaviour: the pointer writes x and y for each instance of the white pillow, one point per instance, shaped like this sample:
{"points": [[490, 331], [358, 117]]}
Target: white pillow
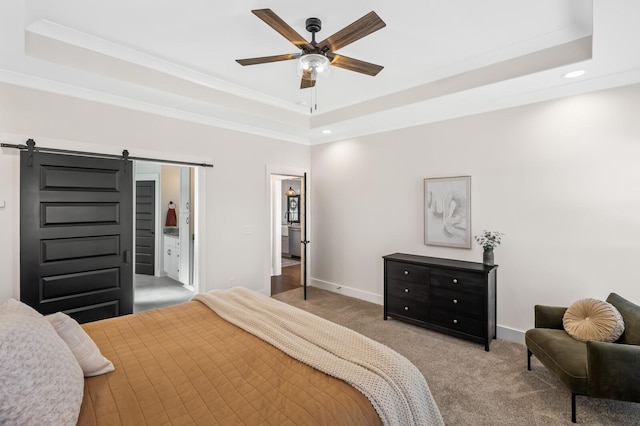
{"points": [[82, 346], [41, 381]]}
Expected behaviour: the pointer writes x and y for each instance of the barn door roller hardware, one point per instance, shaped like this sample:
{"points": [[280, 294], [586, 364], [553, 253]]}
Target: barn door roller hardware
{"points": [[31, 144], [125, 159]]}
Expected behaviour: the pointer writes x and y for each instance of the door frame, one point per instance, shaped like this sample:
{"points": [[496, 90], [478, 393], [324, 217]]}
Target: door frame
{"points": [[198, 227], [158, 229], [273, 225]]}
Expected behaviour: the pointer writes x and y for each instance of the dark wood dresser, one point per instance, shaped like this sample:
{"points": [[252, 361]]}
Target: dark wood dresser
{"points": [[451, 296]]}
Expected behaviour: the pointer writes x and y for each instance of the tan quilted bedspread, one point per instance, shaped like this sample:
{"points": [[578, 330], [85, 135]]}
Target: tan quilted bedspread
{"points": [[185, 365], [395, 387]]}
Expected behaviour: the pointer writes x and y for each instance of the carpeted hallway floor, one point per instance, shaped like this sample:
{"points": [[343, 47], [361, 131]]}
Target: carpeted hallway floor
{"points": [[471, 386]]}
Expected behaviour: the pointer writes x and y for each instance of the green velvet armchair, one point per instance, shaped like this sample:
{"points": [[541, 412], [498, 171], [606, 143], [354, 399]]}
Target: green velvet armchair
{"points": [[595, 369]]}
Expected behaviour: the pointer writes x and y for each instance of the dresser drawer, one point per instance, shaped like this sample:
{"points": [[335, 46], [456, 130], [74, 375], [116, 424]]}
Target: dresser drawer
{"points": [[407, 289], [407, 272], [462, 281], [469, 304], [457, 322], [408, 308]]}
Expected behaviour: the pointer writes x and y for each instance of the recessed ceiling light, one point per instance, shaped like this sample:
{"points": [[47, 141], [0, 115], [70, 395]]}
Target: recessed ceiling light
{"points": [[326, 131], [574, 74]]}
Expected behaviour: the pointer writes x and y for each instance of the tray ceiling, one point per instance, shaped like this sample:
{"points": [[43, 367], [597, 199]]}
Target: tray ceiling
{"points": [[441, 59]]}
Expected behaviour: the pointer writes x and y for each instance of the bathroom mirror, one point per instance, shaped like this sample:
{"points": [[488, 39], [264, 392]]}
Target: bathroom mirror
{"points": [[293, 209]]}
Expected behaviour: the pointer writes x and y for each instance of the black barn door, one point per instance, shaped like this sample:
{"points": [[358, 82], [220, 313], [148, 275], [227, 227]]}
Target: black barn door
{"points": [[145, 226], [76, 235]]}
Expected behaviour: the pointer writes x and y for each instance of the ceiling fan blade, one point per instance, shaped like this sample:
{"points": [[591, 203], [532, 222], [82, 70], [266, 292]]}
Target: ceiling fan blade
{"points": [[275, 22], [364, 26], [306, 83], [354, 64], [266, 59]]}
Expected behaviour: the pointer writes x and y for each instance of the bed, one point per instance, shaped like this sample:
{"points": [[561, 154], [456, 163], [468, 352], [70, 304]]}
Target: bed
{"points": [[238, 357]]}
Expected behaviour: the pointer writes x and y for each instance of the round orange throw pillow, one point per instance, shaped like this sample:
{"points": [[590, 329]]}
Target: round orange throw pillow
{"points": [[592, 319]]}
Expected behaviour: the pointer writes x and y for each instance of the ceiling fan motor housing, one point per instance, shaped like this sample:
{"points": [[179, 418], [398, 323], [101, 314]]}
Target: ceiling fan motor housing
{"points": [[314, 25]]}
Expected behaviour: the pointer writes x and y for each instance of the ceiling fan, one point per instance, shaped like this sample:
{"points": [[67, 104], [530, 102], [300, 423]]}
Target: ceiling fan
{"points": [[315, 57]]}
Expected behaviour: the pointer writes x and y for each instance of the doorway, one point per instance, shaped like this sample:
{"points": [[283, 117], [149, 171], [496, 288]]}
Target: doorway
{"points": [[287, 230], [173, 237]]}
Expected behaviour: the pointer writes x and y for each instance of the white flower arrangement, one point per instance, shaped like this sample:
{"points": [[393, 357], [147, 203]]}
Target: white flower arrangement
{"points": [[489, 239]]}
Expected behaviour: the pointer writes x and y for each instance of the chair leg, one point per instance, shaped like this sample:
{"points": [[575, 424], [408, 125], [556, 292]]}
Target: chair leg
{"points": [[573, 407], [528, 359]]}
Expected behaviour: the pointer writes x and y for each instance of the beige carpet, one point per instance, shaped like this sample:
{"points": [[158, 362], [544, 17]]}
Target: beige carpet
{"points": [[470, 386]]}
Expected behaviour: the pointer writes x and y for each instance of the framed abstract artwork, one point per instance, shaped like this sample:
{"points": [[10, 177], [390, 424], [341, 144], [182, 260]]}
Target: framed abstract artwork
{"points": [[447, 211]]}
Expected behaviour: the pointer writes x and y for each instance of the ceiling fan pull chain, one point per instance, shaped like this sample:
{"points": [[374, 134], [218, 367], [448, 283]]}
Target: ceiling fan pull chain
{"points": [[315, 98]]}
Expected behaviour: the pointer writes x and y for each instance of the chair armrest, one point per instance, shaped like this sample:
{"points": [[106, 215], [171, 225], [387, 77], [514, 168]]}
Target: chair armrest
{"points": [[549, 316], [613, 371]]}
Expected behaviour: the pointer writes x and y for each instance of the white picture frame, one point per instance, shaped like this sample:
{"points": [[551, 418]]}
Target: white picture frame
{"points": [[447, 211]]}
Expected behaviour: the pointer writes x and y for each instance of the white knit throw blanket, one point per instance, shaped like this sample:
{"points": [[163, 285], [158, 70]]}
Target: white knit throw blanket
{"points": [[396, 388]]}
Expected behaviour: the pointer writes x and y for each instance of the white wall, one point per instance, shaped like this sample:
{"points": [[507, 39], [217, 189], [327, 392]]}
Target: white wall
{"points": [[233, 204], [560, 178], [170, 192], [9, 229]]}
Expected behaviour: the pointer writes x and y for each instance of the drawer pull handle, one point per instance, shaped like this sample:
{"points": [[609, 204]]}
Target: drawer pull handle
{"points": [[406, 308], [406, 290], [455, 281], [406, 272], [455, 321], [169, 252], [455, 301]]}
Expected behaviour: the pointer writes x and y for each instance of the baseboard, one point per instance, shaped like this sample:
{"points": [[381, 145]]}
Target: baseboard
{"points": [[347, 291], [504, 333], [510, 334]]}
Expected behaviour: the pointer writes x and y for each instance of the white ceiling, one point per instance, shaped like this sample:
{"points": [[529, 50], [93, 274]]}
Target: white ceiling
{"points": [[442, 59]]}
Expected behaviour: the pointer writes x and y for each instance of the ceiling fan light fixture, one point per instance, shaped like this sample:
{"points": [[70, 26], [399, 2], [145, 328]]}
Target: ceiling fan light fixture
{"points": [[313, 66]]}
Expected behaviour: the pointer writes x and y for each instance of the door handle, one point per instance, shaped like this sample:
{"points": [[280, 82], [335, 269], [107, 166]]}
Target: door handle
{"points": [[127, 256]]}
